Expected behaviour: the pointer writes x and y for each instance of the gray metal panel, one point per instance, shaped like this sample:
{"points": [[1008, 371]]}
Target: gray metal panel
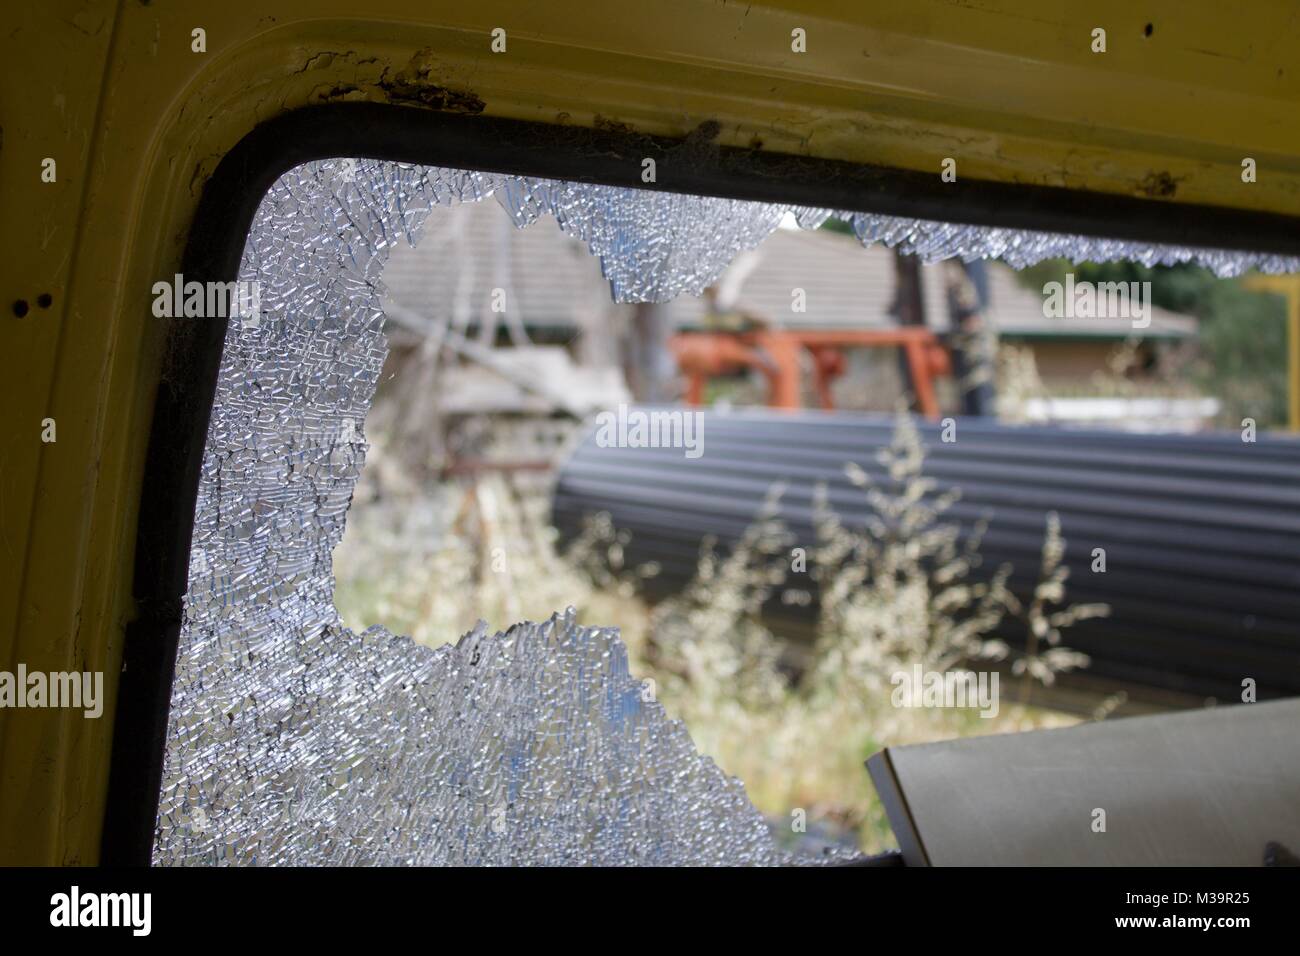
{"points": [[1199, 788]]}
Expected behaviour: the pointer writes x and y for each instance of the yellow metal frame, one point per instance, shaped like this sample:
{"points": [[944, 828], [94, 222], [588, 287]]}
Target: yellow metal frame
{"points": [[136, 121]]}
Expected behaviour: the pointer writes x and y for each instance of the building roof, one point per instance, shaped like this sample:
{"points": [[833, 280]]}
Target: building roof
{"points": [[469, 250]]}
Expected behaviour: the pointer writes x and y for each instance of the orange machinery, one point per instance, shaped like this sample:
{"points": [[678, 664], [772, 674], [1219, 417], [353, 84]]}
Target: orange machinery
{"points": [[775, 353]]}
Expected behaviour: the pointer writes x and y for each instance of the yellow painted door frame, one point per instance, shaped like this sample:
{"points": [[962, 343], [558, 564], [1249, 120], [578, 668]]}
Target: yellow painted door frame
{"points": [[135, 104]]}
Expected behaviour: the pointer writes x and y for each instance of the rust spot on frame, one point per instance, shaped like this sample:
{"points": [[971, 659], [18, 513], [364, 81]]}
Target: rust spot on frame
{"points": [[1160, 185]]}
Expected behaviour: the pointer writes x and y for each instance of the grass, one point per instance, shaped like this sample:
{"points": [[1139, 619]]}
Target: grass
{"points": [[899, 592]]}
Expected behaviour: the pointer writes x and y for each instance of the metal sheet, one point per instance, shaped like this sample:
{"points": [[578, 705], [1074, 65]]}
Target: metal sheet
{"points": [[1201, 533]]}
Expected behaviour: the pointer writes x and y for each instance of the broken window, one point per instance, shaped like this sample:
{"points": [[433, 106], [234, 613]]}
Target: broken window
{"points": [[294, 740]]}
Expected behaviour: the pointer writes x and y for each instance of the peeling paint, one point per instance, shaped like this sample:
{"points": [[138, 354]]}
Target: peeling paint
{"points": [[411, 85], [414, 85]]}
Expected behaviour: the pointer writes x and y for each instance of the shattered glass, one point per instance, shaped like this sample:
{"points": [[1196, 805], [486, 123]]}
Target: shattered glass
{"points": [[293, 740], [1019, 248]]}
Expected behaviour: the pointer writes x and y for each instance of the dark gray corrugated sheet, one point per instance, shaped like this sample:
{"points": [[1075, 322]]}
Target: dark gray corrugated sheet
{"points": [[1202, 533]]}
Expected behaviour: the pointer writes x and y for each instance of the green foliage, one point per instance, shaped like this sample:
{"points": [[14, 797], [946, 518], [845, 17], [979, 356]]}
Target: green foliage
{"points": [[1243, 339], [841, 226]]}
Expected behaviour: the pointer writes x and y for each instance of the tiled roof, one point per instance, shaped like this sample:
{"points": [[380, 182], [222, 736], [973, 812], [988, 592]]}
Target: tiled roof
{"points": [[471, 249]]}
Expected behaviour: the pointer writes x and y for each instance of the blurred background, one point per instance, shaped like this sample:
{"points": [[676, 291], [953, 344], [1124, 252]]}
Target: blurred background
{"points": [[903, 464]]}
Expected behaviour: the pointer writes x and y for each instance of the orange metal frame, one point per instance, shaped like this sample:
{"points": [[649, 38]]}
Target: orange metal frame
{"points": [[775, 353]]}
